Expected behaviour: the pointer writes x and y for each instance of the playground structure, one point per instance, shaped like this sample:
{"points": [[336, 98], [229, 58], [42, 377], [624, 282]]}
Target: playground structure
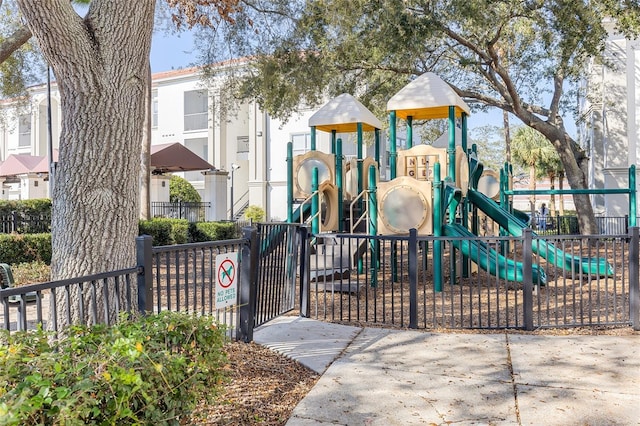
{"points": [[416, 196]]}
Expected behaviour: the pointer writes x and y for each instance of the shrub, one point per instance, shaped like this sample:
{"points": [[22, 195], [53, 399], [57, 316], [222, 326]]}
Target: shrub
{"points": [[165, 231], [254, 213], [30, 273], [22, 248], [180, 190], [212, 231], [152, 370], [26, 207]]}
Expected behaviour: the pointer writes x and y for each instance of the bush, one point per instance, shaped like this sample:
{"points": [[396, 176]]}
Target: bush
{"points": [[153, 370], [165, 231], [35, 207], [180, 190], [212, 231], [22, 248], [254, 213], [30, 273]]}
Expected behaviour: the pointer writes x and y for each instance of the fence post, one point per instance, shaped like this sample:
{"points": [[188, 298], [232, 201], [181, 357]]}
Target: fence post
{"points": [[305, 272], [144, 256], [634, 278], [14, 221], [413, 278], [527, 278], [248, 285]]}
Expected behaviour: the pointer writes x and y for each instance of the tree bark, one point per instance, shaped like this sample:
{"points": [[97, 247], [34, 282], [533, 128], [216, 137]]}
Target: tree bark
{"points": [[101, 64], [14, 42], [145, 155]]}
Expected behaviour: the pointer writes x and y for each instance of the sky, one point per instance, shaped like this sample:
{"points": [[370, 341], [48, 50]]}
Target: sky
{"points": [[172, 51], [176, 51]]}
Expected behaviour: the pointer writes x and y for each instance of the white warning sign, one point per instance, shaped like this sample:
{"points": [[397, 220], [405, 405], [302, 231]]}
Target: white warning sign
{"points": [[226, 279]]}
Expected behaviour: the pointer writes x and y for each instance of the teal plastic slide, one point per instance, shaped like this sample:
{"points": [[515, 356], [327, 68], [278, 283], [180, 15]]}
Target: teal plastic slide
{"points": [[488, 259], [586, 265]]}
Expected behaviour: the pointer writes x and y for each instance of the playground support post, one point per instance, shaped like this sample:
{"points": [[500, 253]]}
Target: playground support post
{"points": [[339, 184], [313, 138], [333, 141], [315, 202], [632, 195], [465, 203], [374, 244], [437, 228], [409, 132], [413, 278], [451, 150], [393, 154], [634, 279], [377, 146], [527, 278], [290, 182], [360, 171]]}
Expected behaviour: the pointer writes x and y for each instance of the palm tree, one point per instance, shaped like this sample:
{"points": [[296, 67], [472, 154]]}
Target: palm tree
{"points": [[531, 149], [553, 169]]}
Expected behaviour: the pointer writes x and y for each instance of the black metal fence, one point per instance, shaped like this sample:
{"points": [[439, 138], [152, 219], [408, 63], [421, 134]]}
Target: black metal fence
{"points": [[193, 212], [178, 278], [24, 223], [484, 282], [392, 281]]}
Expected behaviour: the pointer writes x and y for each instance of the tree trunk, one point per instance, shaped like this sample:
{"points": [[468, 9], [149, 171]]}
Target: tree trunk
{"points": [[552, 198], [101, 63], [532, 197], [145, 156], [574, 161], [561, 187]]}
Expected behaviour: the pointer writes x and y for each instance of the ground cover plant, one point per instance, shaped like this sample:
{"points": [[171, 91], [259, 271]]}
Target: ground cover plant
{"points": [[149, 370]]}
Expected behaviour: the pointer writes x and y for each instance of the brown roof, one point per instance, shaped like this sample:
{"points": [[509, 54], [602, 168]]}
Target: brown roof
{"points": [[175, 157]]}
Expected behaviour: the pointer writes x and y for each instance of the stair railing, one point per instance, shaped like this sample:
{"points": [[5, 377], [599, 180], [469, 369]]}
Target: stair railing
{"points": [[365, 213]]}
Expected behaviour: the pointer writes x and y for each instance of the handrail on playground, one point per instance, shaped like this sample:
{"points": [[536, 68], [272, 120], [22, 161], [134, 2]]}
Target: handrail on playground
{"points": [[318, 214], [365, 213], [631, 191]]}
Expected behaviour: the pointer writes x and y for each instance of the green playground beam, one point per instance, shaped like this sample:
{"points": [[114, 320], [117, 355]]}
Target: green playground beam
{"points": [[568, 191], [374, 244], [360, 170], [333, 141], [632, 195], [393, 155], [339, 184], [377, 146], [290, 182], [451, 150], [313, 138], [409, 132], [437, 228], [315, 202]]}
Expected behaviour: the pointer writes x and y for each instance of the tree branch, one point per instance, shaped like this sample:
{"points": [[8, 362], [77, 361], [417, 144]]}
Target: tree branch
{"points": [[14, 42]]}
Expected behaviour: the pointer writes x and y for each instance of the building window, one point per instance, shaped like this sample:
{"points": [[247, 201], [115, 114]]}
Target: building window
{"points": [[24, 130], [154, 109], [243, 144], [200, 147], [196, 110], [301, 143]]}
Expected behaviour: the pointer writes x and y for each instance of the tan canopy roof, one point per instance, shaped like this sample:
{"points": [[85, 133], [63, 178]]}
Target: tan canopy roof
{"points": [[426, 97], [175, 157], [342, 114]]}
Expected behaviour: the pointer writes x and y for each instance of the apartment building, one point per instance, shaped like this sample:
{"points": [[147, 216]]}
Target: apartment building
{"points": [[609, 129], [244, 145]]}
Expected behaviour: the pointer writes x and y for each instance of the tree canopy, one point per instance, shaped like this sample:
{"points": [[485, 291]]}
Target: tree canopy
{"points": [[524, 57]]}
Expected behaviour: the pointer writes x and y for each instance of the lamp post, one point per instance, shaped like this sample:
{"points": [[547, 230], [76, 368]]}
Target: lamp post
{"points": [[234, 167]]}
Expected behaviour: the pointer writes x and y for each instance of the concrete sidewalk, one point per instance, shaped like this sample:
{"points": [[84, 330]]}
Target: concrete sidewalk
{"points": [[375, 376]]}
